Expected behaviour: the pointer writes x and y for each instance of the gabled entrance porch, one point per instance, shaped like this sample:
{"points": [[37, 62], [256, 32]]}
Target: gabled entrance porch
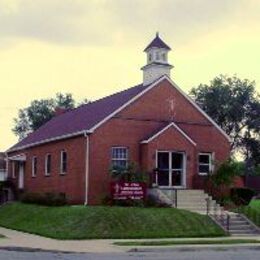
{"points": [[170, 155]]}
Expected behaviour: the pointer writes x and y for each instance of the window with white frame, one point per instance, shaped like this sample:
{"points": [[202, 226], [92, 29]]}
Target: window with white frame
{"points": [[47, 164], [164, 57], [34, 166], [63, 162], [205, 163], [150, 57], [157, 55], [119, 157]]}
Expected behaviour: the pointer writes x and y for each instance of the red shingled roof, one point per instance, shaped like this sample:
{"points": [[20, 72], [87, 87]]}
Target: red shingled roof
{"points": [[80, 119]]}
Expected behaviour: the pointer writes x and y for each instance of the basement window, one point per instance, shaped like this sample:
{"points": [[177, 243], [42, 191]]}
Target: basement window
{"points": [[205, 163], [34, 166], [119, 157], [47, 164]]}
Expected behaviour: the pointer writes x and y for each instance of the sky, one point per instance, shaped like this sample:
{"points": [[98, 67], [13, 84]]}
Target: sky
{"points": [[94, 48]]}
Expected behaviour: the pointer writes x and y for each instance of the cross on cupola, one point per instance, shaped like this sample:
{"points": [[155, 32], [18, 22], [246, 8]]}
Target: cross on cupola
{"points": [[157, 60]]}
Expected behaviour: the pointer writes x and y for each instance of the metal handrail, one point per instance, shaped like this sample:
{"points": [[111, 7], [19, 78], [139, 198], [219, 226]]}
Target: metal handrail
{"points": [[176, 198], [223, 217]]}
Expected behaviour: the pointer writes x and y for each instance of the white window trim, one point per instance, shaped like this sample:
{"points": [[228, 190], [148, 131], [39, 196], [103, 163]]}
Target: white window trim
{"points": [[120, 159], [207, 164], [184, 169], [46, 163], [61, 162], [33, 166]]}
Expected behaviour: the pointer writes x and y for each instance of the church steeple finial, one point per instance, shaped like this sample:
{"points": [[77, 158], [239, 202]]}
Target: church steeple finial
{"points": [[157, 60]]}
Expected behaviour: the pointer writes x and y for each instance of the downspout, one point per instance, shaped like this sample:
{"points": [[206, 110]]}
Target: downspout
{"points": [[7, 165], [87, 168]]}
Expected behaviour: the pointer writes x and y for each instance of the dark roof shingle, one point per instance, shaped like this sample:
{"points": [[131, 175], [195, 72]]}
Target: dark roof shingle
{"points": [[82, 118]]}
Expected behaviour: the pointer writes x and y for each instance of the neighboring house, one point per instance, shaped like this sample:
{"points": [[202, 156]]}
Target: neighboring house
{"points": [[154, 124], [3, 173]]}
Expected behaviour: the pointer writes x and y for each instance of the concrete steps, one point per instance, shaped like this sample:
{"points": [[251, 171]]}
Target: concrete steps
{"points": [[192, 200], [239, 225], [198, 201]]}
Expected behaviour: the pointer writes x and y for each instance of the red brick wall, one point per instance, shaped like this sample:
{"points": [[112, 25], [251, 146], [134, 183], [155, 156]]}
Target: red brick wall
{"points": [[172, 140], [135, 123], [72, 183], [155, 105], [142, 119]]}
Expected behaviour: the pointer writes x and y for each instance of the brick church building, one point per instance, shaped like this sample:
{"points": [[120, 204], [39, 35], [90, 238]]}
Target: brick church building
{"points": [[154, 124]]}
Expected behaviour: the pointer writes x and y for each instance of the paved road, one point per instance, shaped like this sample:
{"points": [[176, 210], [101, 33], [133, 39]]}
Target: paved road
{"points": [[230, 254]]}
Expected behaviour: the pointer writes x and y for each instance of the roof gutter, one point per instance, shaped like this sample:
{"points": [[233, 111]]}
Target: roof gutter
{"points": [[58, 138], [86, 135]]}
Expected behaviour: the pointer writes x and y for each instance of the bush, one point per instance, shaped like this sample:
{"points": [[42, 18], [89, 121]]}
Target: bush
{"points": [[46, 199], [242, 196], [149, 202], [131, 173], [225, 174]]}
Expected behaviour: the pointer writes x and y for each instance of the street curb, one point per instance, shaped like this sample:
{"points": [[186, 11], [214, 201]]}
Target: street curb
{"points": [[194, 248], [32, 250]]}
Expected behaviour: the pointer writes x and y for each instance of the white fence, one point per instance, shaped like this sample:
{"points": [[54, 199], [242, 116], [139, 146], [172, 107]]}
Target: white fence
{"points": [[3, 175]]}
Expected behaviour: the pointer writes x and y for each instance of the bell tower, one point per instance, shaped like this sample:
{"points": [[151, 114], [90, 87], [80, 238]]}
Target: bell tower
{"points": [[157, 60]]}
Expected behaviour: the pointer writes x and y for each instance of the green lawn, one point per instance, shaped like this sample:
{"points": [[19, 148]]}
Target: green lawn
{"points": [[255, 204], [252, 211], [188, 242], [81, 222]]}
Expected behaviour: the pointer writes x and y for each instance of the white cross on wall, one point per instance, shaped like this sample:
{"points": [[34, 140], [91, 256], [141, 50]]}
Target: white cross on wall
{"points": [[172, 111]]}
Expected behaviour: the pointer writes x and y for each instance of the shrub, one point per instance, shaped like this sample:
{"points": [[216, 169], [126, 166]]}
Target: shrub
{"points": [[242, 196], [149, 202], [153, 202], [46, 199], [225, 174], [131, 173]]}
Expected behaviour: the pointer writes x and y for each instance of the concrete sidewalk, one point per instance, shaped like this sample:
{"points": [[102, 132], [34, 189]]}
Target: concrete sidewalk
{"points": [[17, 239]]}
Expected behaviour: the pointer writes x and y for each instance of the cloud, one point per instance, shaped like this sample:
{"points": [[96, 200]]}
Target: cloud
{"points": [[94, 22]]}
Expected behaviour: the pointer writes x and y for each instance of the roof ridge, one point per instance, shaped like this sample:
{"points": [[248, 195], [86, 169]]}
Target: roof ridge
{"points": [[95, 101]]}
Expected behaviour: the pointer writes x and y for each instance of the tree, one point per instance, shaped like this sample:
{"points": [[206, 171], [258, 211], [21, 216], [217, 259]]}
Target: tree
{"points": [[235, 106], [39, 112]]}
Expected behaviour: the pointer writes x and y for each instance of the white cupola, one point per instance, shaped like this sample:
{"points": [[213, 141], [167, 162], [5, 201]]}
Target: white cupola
{"points": [[157, 61]]}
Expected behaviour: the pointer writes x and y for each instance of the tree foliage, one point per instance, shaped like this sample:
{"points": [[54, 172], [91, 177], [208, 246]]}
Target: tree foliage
{"points": [[235, 106], [40, 111]]}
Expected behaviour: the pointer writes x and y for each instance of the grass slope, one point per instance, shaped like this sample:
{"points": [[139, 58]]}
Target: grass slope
{"points": [[81, 222], [255, 204]]}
